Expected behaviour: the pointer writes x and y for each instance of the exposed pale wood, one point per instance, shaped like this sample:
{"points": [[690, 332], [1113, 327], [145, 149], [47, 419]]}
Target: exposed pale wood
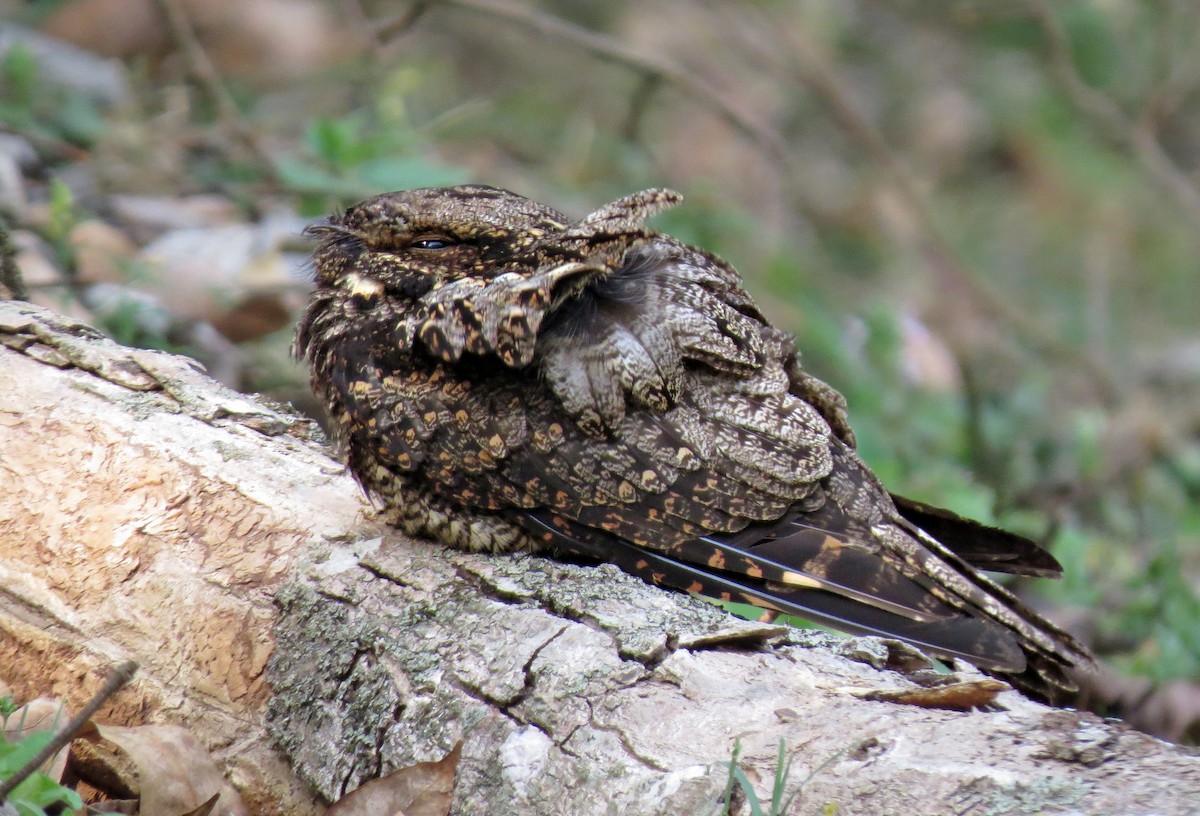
{"points": [[147, 513]]}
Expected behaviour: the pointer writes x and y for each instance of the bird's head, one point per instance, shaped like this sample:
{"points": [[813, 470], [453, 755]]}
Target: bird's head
{"points": [[410, 242]]}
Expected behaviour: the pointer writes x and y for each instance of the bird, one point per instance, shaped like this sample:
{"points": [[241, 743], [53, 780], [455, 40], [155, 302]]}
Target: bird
{"points": [[503, 378]]}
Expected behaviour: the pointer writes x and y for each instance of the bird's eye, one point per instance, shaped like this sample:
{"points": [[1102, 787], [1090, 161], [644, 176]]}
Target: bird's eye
{"points": [[429, 243]]}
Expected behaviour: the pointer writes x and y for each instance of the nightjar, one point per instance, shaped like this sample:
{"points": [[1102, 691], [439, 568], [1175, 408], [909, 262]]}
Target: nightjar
{"points": [[505, 378]]}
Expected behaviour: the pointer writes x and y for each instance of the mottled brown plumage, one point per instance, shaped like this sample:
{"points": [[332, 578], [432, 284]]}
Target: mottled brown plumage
{"points": [[505, 378]]}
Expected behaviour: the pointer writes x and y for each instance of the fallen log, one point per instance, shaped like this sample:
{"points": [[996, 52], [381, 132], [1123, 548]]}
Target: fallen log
{"points": [[148, 513]]}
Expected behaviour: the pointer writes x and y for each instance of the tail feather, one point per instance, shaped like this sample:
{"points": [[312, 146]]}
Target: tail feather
{"points": [[810, 566], [981, 546]]}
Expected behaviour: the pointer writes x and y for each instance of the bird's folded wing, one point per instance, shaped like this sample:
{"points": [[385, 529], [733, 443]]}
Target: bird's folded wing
{"points": [[719, 569]]}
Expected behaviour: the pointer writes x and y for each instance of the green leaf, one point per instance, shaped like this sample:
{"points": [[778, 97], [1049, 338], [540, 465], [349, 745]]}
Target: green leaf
{"points": [[62, 213], [328, 140], [1095, 53], [37, 792], [19, 75], [14, 755], [730, 765], [305, 177], [783, 767]]}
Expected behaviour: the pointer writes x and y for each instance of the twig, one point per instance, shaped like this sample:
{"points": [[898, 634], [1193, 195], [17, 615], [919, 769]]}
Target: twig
{"points": [[1139, 135], [824, 83], [11, 284], [403, 22], [202, 67], [1179, 65], [206, 73], [121, 675], [613, 50], [639, 103]]}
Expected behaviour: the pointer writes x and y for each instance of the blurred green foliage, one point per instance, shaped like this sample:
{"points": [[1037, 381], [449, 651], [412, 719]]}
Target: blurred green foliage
{"points": [[356, 156], [41, 109]]}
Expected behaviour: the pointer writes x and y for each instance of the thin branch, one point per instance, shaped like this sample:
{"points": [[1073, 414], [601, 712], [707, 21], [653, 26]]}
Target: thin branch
{"points": [[210, 80], [11, 284], [828, 87], [121, 675], [639, 103], [1183, 71], [1139, 135], [610, 49], [403, 22]]}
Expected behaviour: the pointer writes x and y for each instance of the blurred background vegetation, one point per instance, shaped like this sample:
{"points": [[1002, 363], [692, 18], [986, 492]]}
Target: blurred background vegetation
{"points": [[981, 219]]}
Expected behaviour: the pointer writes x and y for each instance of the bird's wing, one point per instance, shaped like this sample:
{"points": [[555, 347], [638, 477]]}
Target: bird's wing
{"points": [[713, 534], [747, 498]]}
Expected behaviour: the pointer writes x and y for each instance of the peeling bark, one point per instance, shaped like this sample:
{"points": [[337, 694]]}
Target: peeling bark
{"points": [[150, 514]]}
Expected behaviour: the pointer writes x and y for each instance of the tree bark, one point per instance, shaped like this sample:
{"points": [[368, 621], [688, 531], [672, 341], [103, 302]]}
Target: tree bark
{"points": [[149, 513]]}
